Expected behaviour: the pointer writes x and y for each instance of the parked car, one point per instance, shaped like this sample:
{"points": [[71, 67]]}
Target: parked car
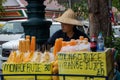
{"points": [[12, 30]]}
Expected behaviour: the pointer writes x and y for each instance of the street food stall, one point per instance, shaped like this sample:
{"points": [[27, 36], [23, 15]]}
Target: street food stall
{"points": [[67, 61]]}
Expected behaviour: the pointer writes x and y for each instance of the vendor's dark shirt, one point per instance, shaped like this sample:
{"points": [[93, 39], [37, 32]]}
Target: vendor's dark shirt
{"points": [[61, 34]]}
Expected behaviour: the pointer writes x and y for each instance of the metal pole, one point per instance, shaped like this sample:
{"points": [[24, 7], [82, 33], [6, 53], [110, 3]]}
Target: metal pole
{"points": [[69, 2], [37, 25]]}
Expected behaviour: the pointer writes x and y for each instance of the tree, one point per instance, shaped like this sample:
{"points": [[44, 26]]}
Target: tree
{"points": [[1, 7], [116, 3], [81, 8], [99, 17]]}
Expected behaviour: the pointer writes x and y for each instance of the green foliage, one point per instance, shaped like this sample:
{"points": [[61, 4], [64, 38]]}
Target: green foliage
{"points": [[117, 47], [117, 44], [1, 7], [108, 42], [81, 8], [113, 42], [116, 3]]}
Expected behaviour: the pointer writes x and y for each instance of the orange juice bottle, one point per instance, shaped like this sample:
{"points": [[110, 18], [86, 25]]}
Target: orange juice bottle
{"points": [[73, 42], [33, 44], [81, 37], [27, 37], [64, 43], [57, 46], [23, 46], [27, 45], [20, 46]]}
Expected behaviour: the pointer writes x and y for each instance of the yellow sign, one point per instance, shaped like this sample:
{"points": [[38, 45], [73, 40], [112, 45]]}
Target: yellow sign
{"points": [[83, 63], [27, 68], [86, 63]]}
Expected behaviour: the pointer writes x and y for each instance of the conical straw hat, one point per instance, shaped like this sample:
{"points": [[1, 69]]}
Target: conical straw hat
{"points": [[68, 17]]}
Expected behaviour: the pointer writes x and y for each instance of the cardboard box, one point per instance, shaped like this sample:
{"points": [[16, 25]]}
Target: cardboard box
{"points": [[86, 63], [27, 68]]}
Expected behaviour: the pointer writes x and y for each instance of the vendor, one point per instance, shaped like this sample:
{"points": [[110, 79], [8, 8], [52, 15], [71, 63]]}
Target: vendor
{"points": [[69, 30]]}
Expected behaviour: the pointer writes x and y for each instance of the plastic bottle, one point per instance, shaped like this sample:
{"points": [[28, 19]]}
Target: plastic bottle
{"points": [[93, 44], [100, 42]]}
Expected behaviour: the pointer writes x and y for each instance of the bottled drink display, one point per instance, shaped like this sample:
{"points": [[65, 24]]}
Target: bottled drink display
{"points": [[100, 43], [93, 44]]}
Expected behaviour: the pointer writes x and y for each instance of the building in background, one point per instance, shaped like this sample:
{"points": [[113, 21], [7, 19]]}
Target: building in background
{"points": [[15, 9]]}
